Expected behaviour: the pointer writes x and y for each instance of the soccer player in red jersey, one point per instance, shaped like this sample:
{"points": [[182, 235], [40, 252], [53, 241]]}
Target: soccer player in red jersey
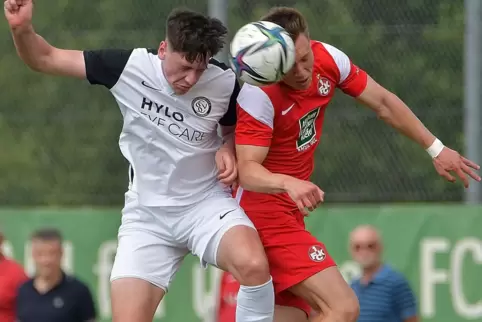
{"points": [[279, 127]]}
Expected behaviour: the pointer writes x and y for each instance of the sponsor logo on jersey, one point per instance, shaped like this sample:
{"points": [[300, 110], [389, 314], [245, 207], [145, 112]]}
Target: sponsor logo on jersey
{"points": [[324, 86], [316, 253], [162, 116], [161, 109], [201, 106], [307, 135]]}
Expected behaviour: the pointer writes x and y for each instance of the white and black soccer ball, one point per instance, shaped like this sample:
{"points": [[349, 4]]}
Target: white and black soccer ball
{"points": [[261, 53]]}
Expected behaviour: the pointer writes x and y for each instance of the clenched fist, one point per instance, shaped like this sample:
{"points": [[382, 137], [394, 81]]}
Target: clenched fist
{"points": [[18, 12]]}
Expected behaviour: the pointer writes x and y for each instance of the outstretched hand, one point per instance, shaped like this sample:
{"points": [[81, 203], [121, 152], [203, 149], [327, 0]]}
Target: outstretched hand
{"points": [[18, 12], [451, 161]]}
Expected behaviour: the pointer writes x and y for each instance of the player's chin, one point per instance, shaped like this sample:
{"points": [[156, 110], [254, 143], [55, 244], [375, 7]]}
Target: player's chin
{"points": [[181, 90], [304, 84]]}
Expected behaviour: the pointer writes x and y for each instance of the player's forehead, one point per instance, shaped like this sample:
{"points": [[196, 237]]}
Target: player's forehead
{"points": [[302, 46], [198, 63]]}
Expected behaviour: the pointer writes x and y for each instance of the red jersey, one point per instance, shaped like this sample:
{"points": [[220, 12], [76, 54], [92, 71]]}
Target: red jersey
{"points": [[12, 276], [290, 122], [227, 298]]}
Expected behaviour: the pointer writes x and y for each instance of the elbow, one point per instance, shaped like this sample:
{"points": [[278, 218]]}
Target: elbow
{"points": [[383, 108], [35, 67], [41, 62]]}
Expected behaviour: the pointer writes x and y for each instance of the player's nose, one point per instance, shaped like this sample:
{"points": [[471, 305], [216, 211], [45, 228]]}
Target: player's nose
{"points": [[192, 78]]}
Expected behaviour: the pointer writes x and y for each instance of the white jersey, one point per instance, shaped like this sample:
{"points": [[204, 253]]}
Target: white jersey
{"points": [[170, 141]]}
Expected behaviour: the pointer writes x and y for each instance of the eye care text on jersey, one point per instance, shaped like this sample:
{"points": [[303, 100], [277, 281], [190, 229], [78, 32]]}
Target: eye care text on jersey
{"points": [[164, 119]]}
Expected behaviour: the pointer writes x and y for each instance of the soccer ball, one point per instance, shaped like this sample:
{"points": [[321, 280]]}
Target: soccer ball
{"points": [[261, 53]]}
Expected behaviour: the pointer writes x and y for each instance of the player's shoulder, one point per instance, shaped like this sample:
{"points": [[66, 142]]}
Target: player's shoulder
{"points": [[142, 56], [262, 103], [220, 73], [323, 51], [135, 65], [258, 97], [266, 95], [330, 60], [218, 80]]}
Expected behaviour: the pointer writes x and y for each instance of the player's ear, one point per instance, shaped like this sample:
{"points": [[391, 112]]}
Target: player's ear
{"points": [[161, 52]]}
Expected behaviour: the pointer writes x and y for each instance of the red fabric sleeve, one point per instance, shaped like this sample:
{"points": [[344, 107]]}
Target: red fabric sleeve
{"points": [[356, 81], [250, 131]]}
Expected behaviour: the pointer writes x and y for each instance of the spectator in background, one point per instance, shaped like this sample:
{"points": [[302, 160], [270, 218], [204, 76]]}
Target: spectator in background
{"points": [[12, 276], [384, 294], [52, 295]]}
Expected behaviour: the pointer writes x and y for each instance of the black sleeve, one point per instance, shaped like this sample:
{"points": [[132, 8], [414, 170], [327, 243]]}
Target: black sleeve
{"points": [[86, 310], [104, 67], [230, 118]]}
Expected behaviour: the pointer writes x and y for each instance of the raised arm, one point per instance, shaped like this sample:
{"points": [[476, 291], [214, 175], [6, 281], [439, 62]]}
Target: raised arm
{"points": [[34, 50], [393, 111]]}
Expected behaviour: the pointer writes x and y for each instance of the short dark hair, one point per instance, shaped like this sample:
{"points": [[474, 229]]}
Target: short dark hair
{"points": [[195, 35], [290, 19], [47, 234]]}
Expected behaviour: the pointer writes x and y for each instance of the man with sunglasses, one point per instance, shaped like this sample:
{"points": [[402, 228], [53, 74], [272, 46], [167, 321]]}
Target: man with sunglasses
{"points": [[383, 293]]}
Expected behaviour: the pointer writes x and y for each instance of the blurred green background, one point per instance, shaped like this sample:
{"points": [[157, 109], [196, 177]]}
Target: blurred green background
{"points": [[59, 136]]}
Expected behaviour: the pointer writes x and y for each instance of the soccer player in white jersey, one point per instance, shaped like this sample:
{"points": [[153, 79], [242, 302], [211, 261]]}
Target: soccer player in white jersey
{"points": [[172, 101]]}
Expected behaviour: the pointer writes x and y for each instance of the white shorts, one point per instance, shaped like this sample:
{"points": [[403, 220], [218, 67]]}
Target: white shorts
{"points": [[153, 241]]}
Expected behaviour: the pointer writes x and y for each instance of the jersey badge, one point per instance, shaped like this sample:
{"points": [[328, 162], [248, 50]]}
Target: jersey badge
{"points": [[324, 86], [201, 106], [316, 253]]}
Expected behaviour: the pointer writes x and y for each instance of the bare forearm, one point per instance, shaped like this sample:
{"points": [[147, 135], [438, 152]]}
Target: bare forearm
{"points": [[31, 47], [397, 114], [228, 142], [254, 177]]}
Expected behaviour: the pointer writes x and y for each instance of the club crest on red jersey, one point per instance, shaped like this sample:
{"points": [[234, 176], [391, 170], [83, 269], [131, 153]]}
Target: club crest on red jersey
{"points": [[324, 86], [316, 253]]}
